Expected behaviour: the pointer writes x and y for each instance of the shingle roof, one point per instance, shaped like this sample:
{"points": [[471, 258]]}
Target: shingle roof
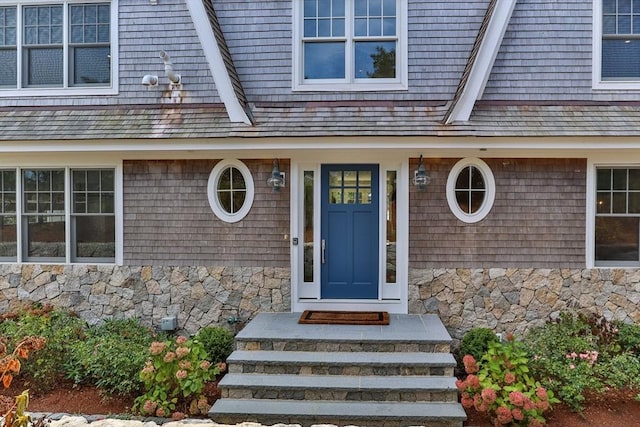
{"points": [[314, 120]]}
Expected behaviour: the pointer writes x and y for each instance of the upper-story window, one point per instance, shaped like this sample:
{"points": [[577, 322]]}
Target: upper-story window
{"points": [[350, 44], [617, 44], [57, 47]]}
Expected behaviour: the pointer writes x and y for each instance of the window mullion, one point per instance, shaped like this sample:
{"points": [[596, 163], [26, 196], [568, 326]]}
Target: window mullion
{"points": [[65, 45]]}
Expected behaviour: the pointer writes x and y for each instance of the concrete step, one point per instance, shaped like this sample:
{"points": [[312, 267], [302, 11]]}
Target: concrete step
{"points": [[340, 413], [405, 333], [341, 363], [333, 387]]}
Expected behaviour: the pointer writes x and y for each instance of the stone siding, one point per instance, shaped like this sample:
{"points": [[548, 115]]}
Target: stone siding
{"points": [[197, 296], [514, 300]]}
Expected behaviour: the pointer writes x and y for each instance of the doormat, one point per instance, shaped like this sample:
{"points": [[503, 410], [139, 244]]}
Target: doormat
{"points": [[316, 317]]}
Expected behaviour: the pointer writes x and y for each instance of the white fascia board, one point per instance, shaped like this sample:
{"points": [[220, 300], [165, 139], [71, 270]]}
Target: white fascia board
{"points": [[485, 58], [218, 69]]}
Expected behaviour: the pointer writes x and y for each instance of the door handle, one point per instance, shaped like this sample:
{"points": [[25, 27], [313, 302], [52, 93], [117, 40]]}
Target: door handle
{"points": [[323, 247]]}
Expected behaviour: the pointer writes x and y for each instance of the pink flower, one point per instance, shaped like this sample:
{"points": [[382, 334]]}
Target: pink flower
{"points": [[516, 398], [148, 368], [221, 366], [509, 378], [182, 352], [543, 405], [528, 404], [181, 340], [473, 381], [467, 402], [205, 365], [157, 348], [161, 412], [177, 416], [489, 395], [169, 357], [533, 422], [149, 406], [184, 364], [572, 366], [470, 364], [541, 392], [461, 385], [503, 414], [517, 414], [181, 374]]}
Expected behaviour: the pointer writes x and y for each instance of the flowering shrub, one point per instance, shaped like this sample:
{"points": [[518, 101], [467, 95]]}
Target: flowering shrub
{"points": [[174, 378], [501, 386]]}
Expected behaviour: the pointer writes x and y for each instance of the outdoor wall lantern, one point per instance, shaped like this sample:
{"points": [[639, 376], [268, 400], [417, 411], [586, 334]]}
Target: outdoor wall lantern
{"points": [[420, 177], [276, 180]]}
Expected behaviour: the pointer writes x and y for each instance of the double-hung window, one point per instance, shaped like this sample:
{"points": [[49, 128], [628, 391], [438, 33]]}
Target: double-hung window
{"points": [[617, 44], [350, 45], [57, 215], [58, 47], [617, 222]]}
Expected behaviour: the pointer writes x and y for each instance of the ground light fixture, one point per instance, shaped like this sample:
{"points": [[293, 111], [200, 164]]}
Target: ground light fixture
{"points": [[420, 177]]}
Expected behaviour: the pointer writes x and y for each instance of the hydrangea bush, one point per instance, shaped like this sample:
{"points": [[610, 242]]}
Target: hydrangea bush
{"points": [[501, 386]]}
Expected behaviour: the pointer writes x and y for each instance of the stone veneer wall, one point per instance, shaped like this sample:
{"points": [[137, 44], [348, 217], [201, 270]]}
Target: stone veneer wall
{"points": [[506, 300], [198, 296], [514, 300]]}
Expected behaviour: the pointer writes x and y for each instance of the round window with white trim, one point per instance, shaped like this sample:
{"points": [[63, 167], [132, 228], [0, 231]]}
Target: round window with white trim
{"points": [[230, 190], [471, 190]]}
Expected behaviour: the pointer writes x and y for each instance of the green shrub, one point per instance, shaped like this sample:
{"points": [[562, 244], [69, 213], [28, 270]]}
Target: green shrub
{"points": [[476, 342], [629, 337], [217, 341], [60, 328], [112, 356]]}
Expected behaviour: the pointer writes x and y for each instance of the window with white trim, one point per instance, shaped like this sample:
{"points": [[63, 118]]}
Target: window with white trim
{"points": [[38, 208], [230, 190], [66, 45], [350, 44], [471, 190], [617, 222]]}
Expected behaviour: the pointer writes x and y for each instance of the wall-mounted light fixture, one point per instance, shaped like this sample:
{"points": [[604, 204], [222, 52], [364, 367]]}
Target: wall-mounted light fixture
{"points": [[276, 180], [420, 177]]}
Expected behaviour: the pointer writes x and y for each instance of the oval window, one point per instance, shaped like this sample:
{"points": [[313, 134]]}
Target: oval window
{"points": [[470, 190], [230, 190]]}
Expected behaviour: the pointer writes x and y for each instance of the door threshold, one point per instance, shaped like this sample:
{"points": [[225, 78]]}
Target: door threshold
{"points": [[391, 306]]}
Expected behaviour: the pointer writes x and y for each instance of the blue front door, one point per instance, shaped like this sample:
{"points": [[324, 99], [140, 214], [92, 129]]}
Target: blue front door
{"points": [[349, 232]]}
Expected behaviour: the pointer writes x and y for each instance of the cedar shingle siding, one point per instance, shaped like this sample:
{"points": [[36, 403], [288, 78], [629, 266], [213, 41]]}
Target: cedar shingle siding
{"points": [[537, 220], [168, 220]]}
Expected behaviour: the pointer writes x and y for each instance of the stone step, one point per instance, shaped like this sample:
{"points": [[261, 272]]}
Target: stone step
{"points": [[281, 332], [340, 413], [341, 363], [332, 387]]}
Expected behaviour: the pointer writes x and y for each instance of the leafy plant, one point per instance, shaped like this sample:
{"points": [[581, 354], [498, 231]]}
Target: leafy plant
{"points": [[111, 357], [217, 341], [629, 337], [174, 378], [476, 342], [60, 329], [501, 386]]}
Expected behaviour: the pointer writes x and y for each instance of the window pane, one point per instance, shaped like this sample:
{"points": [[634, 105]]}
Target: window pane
{"points": [[619, 179], [224, 182], [389, 8], [477, 198], [324, 60], [477, 180], [609, 25], [391, 227], [361, 8], [624, 24], [224, 197], [624, 6], [309, 8], [324, 8], [617, 239], [308, 225], [95, 236], [8, 242], [93, 203], [462, 182], [44, 67], [91, 65], [45, 236], [634, 203], [93, 180], [80, 203], [604, 179], [338, 8], [9, 57], [619, 202], [238, 180], [360, 28], [375, 60], [603, 202], [609, 6], [620, 59], [324, 27], [375, 27], [238, 200], [107, 180], [375, 7], [634, 179], [462, 198], [389, 27], [106, 203]]}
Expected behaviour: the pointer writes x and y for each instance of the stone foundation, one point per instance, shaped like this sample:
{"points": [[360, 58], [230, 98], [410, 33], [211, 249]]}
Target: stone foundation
{"points": [[514, 300], [197, 296], [506, 300]]}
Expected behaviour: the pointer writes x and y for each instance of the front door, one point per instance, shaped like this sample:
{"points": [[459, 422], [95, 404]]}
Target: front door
{"points": [[349, 232]]}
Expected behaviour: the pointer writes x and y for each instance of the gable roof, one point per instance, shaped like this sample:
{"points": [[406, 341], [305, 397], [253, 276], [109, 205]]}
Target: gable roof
{"points": [[220, 60], [481, 60]]}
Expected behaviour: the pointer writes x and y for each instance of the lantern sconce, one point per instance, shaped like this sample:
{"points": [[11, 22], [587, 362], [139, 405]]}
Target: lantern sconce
{"points": [[420, 177], [276, 180]]}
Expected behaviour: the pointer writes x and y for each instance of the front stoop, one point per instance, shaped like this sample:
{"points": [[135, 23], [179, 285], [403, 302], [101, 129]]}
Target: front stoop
{"points": [[391, 376]]}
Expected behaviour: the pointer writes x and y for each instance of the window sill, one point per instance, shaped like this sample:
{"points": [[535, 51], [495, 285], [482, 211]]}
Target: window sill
{"points": [[45, 92], [617, 85], [349, 87]]}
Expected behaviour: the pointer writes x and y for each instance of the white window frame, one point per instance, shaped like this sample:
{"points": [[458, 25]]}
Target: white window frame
{"points": [[212, 187], [597, 82], [350, 84], [68, 214], [66, 89], [490, 193]]}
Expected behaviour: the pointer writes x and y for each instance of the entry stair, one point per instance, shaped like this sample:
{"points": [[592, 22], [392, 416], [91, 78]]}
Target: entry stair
{"points": [[396, 375]]}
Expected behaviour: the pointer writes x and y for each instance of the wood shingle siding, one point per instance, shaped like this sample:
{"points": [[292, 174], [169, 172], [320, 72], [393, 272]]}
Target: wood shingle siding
{"points": [[168, 220], [537, 220]]}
